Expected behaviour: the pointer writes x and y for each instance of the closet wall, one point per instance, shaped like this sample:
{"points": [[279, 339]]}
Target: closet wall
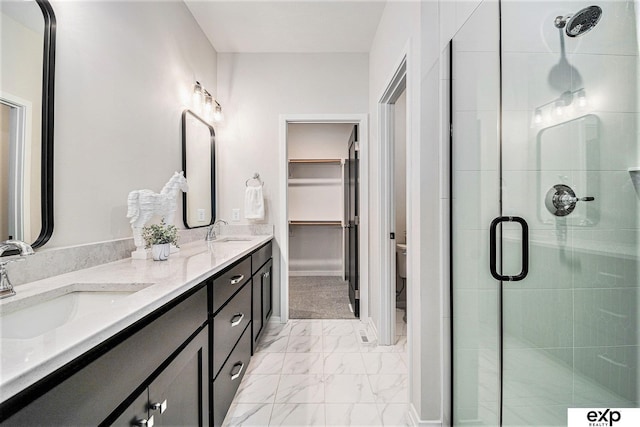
{"points": [[316, 153]]}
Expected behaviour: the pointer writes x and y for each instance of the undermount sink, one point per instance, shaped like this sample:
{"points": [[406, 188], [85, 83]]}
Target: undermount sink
{"points": [[38, 314], [232, 239]]}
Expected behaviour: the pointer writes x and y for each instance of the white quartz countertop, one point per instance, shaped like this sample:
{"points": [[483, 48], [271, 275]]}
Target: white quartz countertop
{"points": [[25, 361]]}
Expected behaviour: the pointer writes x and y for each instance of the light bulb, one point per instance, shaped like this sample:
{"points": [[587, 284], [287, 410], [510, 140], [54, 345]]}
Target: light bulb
{"points": [[208, 105], [582, 99], [217, 114], [559, 108], [197, 96], [537, 117]]}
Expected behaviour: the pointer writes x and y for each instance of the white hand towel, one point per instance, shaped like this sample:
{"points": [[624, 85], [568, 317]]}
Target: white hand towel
{"points": [[253, 203]]}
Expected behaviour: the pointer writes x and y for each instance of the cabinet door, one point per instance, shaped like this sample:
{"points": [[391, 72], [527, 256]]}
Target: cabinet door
{"points": [[179, 395], [256, 311], [136, 414], [267, 291]]}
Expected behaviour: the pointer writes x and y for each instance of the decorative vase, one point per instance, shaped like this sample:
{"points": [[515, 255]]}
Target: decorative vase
{"points": [[160, 252]]}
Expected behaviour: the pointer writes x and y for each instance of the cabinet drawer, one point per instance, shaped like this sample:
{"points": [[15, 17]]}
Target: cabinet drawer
{"points": [[225, 285], [228, 325], [259, 257], [228, 380]]}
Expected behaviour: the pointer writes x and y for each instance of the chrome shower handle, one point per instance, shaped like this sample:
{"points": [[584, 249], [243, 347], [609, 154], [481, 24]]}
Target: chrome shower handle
{"points": [[561, 200]]}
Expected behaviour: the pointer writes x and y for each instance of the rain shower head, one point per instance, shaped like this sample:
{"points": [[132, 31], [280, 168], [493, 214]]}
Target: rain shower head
{"points": [[580, 23]]}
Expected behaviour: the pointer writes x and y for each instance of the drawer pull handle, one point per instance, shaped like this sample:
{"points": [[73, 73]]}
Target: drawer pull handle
{"points": [[237, 319], [237, 279], [161, 406], [235, 375], [144, 423]]}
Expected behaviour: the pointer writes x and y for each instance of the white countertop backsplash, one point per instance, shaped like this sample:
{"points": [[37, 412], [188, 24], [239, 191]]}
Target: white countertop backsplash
{"points": [[25, 361]]}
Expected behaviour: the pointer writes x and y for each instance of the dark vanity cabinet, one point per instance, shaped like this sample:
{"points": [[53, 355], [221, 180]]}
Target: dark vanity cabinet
{"points": [[236, 300], [160, 359], [179, 366]]}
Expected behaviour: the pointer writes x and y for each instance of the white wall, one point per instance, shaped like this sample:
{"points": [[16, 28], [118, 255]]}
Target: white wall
{"points": [[421, 30], [124, 72], [255, 89]]}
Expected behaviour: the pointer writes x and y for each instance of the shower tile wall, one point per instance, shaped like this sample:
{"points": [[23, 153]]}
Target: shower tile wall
{"points": [[576, 315]]}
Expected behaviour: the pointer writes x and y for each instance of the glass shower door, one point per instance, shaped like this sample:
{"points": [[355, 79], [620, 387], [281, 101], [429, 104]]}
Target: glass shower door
{"points": [[545, 127], [475, 84], [569, 136]]}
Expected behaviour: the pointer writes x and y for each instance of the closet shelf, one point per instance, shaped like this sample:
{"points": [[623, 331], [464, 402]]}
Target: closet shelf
{"points": [[336, 161], [330, 223], [315, 181]]}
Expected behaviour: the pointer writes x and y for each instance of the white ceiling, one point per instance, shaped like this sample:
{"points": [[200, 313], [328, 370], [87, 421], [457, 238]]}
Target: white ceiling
{"points": [[277, 26]]}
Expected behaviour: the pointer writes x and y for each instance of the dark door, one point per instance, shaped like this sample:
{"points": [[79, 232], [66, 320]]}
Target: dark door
{"points": [[353, 221]]}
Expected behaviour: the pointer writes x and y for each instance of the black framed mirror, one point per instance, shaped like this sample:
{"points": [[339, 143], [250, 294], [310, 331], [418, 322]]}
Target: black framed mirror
{"points": [[199, 166], [27, 49]]}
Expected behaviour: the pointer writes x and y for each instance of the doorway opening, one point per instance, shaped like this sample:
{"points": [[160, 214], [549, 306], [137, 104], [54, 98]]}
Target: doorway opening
{"points": [[394, 280], [318, 188], [321, 254], [15, 162], [400, 211]]}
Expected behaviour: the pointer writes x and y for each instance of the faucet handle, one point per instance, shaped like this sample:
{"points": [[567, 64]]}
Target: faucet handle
{"points": [[11, 258], [24, 248]]}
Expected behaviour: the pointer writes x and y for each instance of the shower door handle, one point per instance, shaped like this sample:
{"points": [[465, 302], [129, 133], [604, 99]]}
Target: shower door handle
{"points": [[493, 248]]}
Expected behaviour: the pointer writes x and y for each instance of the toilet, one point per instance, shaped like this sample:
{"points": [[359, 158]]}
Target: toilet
{"points": [[401, 268], [401, 260]]}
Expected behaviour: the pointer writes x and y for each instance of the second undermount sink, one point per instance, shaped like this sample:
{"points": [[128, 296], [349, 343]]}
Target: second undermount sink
{"points": [[38, 314], [232, 239]]}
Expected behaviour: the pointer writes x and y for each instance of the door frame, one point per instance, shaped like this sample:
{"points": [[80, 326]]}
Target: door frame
{"points": [[19, 162], [397, 85], [363, 135]]}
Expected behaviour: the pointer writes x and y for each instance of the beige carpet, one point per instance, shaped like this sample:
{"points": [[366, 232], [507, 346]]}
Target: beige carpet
{"points": [[319, 297]]}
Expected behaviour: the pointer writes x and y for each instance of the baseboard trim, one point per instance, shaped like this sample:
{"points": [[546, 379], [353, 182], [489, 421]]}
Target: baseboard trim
{"points": [[416, 421], [275, 319], [372, 328], [303, 273]]}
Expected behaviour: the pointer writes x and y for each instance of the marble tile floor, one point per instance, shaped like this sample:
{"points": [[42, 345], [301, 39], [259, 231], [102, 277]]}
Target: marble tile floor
{"points": [[320, 373]]}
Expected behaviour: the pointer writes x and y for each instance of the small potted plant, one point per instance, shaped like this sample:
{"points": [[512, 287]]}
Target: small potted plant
{"points": [[159, 237]]}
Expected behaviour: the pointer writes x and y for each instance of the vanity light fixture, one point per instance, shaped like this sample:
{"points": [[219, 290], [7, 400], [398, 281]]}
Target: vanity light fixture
{"points": [[203, 102], [562, 106]]}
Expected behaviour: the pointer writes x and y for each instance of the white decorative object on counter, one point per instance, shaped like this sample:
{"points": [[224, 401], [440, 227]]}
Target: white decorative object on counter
{"points": [[161, 252], [144, 204]]}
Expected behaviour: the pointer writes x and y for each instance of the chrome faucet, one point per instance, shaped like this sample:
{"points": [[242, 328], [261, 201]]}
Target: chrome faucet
{"points": [[211, 233], [6, 288]]}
